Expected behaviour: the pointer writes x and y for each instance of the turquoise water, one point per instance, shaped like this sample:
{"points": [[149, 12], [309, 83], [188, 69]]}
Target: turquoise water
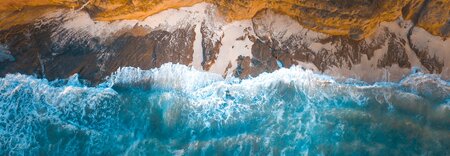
{"points": [[176, 110]]}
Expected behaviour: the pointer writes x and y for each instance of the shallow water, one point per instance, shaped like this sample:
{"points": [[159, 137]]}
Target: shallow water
{"points": [[176, 110]]}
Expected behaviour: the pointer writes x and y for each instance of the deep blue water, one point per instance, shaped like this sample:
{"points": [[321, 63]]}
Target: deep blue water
{"points": [[175, 110]]}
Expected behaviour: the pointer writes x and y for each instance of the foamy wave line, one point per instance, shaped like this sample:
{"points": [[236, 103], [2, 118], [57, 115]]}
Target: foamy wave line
{"points": [[292, 102], [188, 79]]}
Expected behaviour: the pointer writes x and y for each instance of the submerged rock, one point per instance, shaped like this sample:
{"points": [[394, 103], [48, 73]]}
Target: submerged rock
{"points": [[5, 55]]}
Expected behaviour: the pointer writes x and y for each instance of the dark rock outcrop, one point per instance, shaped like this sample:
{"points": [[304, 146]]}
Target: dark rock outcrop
{"points": [[60, 47], [36, 53]]}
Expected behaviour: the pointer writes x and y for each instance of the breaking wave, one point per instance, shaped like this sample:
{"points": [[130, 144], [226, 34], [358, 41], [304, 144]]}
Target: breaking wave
{"points": [[176, 110]]}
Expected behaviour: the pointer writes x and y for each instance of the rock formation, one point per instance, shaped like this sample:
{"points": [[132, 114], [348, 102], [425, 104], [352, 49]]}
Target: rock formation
{"points": [[363, 39], [356, 18]]}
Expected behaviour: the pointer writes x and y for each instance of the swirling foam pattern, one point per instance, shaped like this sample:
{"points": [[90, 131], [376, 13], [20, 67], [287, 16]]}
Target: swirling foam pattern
{"points": [[176, 110]]}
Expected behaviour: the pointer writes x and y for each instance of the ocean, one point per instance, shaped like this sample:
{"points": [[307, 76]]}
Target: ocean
{"points": [[177, 110]]}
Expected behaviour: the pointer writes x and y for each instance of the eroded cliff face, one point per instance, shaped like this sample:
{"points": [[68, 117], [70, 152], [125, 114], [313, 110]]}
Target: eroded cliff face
{"points": [[65, 42], [355, 18]]}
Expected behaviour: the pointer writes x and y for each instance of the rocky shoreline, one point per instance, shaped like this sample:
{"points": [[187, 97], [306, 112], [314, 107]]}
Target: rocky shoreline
{"points": [[66, 42]]}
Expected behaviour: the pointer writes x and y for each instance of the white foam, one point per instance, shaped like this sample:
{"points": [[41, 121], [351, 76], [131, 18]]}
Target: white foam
{"points": [[293, 102], [167, 76]]}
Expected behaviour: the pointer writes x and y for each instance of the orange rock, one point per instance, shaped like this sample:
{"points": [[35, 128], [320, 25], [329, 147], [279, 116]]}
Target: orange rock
{"points": [[356, 18]]}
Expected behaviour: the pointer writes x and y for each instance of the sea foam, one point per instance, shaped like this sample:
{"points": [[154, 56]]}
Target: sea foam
{"points": [[177, 110]]}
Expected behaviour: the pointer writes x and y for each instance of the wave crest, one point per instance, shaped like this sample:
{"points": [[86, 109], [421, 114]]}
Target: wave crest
{"points": [[178, 110]]}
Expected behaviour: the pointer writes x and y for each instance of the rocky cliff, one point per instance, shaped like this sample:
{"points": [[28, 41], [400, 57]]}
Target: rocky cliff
{"points": [[363, 39], [356, 18]]}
